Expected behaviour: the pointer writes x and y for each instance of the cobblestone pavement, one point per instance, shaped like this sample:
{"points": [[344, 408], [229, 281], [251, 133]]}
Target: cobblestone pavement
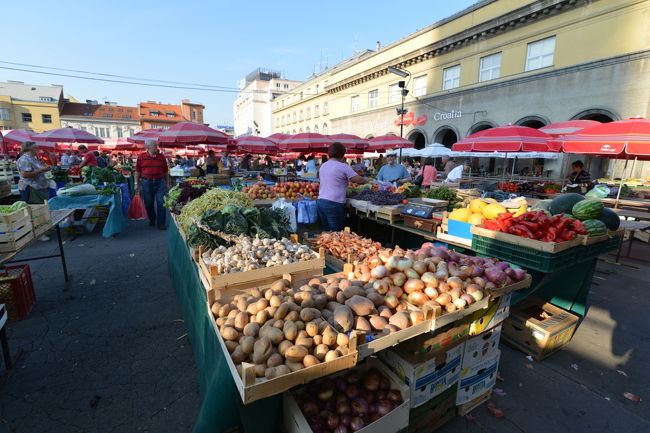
{"points": [[109, 352]]}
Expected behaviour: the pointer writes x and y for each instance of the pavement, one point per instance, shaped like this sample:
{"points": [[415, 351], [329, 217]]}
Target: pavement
{"points": [[108, 352]]}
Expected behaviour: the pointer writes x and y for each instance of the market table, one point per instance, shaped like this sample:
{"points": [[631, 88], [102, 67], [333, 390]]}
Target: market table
{"points": [[57, 216], [635, 214], [641, 203], [630, 227], [221, 407], [115, 221]]}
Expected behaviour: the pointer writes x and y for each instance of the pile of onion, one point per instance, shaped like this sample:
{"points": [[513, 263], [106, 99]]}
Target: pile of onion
{"points": [[435, 277], [358, 400]]}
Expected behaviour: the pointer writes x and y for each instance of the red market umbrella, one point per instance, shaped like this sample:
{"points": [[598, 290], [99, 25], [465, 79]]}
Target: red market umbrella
{"points": [[620, 139], [121, 144], [557, 129], [67, 135], [184, 133], [508, 138], [277, 137], [255, 145], [385, 142], [305, 141], [350, 141], [147, 134], [16, 137]]}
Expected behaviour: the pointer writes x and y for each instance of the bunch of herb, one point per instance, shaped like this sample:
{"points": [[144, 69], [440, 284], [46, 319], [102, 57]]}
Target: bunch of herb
{"points": [[444, 193]]}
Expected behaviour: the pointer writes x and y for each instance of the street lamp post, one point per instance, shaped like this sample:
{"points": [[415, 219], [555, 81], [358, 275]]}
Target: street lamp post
{"points": [[404, 91]]}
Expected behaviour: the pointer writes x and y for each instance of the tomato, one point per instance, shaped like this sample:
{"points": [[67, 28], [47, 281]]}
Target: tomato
{"points": [[405, 201]]}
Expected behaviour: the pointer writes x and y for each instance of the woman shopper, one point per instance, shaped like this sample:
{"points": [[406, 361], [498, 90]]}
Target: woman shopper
{"points": [[428, 172], [211, 163], [334, 176], [33, 184]]}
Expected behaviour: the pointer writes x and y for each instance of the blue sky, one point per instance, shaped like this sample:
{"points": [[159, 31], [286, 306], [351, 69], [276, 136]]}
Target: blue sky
{"points": [[206, 42]]}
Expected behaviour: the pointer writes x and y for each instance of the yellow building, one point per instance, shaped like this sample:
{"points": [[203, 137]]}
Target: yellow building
{"points": [[30, 106], [494, 63]]}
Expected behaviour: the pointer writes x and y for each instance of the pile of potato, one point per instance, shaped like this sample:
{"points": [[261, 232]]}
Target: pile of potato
{"points": [[281, 329]]}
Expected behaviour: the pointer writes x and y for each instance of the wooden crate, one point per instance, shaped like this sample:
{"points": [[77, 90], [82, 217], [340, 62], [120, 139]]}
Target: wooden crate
{"points": [[5, 188], [15, 230], [392, 214], [427, 225], [445, 237], [258, 277], [548, 247], [252, 388], [590, 240], [40, 215]]}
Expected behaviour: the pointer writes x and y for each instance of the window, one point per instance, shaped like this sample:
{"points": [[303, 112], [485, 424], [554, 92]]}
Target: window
{"points": [[540, 54], [277, 85], [4, 114], [307, 129], [154, 113], [108, 115], [153, 125], [27, 117], [373, 96], [420, 85], [300, 116], [87, 113], [316, 110], [355, 103], [393, 93], [295, 116], [46, 118], [170, 114], [165, 127], [326, 109], [131, 132], [193, 114], [119, 133], [316, 129], [317, 89], [308, 112], [83, 128], [325, 129], [490, 68], [451, 77], [301, 96]]}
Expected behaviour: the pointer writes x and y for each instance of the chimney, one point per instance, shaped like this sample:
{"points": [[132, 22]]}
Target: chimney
{"points": [[378, 45]]}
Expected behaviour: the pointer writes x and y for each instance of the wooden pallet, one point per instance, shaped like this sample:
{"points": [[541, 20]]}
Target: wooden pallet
{"points": [[548, 247], [464, 409]]}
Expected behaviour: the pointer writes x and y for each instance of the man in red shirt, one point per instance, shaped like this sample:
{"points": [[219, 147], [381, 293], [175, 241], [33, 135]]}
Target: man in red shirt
{"points": [[89, 160], [152, 179]]}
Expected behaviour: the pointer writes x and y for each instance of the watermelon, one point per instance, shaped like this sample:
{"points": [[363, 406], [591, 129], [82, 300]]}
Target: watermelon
{"points": [[595, 227], [610, 218], [564, 203], [568, 215], [587, 209]]}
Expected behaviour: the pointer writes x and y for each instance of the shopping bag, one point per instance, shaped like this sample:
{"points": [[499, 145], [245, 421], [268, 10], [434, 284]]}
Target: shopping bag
{"points": [[307, 211], [289, 211], [137, 210]]}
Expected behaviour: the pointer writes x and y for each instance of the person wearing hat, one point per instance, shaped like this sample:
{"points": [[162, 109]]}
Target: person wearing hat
{"points": [[392, 171], [33, 185]]}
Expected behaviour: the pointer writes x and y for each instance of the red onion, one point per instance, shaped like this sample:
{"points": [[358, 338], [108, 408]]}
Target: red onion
{"points": [[342, 408], [495, 275], [371, 380], [369, 396], [374, 417], [341, 428], [345, 420], [340, 398], [353, 377], [502, 265], [340, 384], [330, 405], [357, 423], [519, 275], [316, 424], [381, 394], [384, 383], [395, 396], [359, 406], [309, 408], [352, 391], [384, 407], [326, 392], [331, 420]]}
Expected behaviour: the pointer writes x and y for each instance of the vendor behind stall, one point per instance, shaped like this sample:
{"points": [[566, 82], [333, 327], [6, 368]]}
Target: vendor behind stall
{"points": [[334, 176], [89, 159], [579, 174], [211, 163], [457, 173], [392, 171]]}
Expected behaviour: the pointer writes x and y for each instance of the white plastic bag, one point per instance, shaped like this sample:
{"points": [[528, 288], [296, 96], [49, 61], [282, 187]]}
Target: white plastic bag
{"points": [[289, 210], [83, 189]]}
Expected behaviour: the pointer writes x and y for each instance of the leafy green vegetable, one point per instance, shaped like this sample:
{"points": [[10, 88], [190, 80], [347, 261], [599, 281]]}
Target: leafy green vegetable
{"points": [[444, 193], [197, 237], [216, 199]]}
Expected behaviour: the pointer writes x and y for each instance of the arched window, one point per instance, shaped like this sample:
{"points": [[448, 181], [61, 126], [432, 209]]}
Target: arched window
{"points": [[316, 128], [307, 129], [324, 128], [300, 130]]}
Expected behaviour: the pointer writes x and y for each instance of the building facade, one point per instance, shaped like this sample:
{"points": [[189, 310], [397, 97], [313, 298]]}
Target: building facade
{"points": [[108, 120], [156, 115], [498, 62], [253, 108], [30, 106]]}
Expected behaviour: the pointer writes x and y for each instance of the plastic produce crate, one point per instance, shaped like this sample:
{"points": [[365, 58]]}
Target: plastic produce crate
{"points": [[17, 291], [525, 257], [592, 251]]}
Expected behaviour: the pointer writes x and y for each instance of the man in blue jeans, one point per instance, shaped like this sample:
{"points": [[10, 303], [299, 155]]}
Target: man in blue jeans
{"points": [[152, 179]]}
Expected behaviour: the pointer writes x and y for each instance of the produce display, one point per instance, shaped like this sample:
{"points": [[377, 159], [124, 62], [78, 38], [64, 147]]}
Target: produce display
{"points": [[380, 197], [101, 175], [59, 174], [538, 225], [447, 194], [247, 254], [344, 243], [409, 190], [348, 402], [216, 199], [182, 193], [290, 190], [481, 209], [216, 227], [433, 277], [280, 330], [587, 209], [11, 208]]}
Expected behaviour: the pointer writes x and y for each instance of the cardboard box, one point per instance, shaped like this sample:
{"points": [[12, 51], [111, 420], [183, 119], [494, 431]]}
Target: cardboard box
{"points": [[465, 408], [477, 379], [433, 414], [425, 346], [426, 379], [495, 313], [394, 421], [481, 347], [539, 328]]}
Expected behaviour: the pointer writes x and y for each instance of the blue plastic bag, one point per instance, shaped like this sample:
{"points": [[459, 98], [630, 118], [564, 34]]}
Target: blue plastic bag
{"points": [[307, 211]]}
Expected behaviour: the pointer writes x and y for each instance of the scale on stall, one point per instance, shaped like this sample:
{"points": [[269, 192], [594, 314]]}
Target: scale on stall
{"points": [[424, 208]]}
